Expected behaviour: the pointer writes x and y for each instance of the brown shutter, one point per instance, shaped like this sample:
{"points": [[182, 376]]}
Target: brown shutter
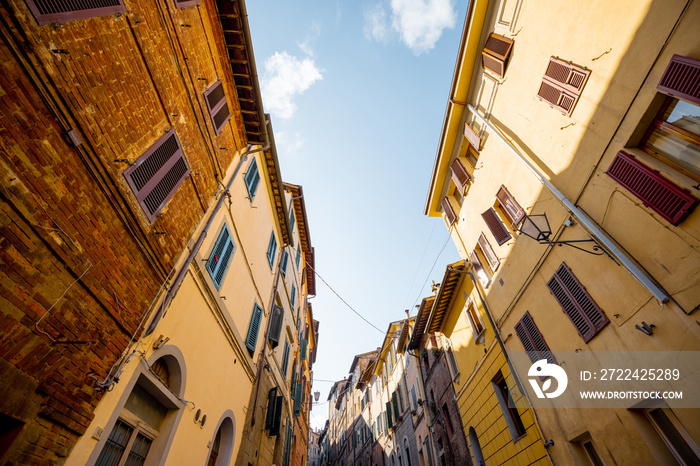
{"points": [[54, 11], [157, 174], [217, 105], [488, 253], [562, 84], [459, 175], [510, 206], [655, 191], [682, 79], [449, 211], [532, 340], [472, 137], [576, 303], [498, 229], [496, 54]]}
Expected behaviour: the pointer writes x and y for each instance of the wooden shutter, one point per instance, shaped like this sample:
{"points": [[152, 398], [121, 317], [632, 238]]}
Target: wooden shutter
{"points": [[491, 257], [217, 105], [297, 399], [275, 429], [656, 192], [276, 325], [478, 266], [472, 137], [157, 174], [389, 418], [498, 229], [252, 178], [532, 340], [496, 54], [682, 79], [449, 211], [459, 175], [510, 206], [304, 345], [54, 11], [271, 402], [254, 328], [576, 303], [562, 85], [220, 257]]}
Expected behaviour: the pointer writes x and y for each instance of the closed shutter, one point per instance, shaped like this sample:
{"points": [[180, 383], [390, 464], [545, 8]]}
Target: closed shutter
{"points": [[54, 11], [576, 303], [285, 359], [459, 175], [285, 260], [562, 85], [389, 418], [498, 229], [271, 402], [472, 137], [655, 191], [532, 340], [252, 178], [488, 253], [496, 54], [304, 345], [449, 211], [682, 79], [157, 174], [217, 105], [395, 402], [252, 336], [510, 206], [297, 399], [276, 326], [220, 257]]}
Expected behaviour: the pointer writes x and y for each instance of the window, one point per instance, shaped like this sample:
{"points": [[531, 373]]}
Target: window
{"points": [[252, 179], [135, 439], [452, 363], [476, 447], [272, 250], [488, 253], [448, 420], [274, 412], [253, 328], [293, 299], [221, 446], [291, 221], [510, 412], [474, 319], [577, 304], [217, 105], [52, 11], [220, 257], [532, 340], [283, 264], [591, 453], [413, 397], [157, 174], [674, 435], [562, 85], [498, 229], [484, 278], [510, 207], [460, 177], [298, 259], [496, 54], [474, 144]]}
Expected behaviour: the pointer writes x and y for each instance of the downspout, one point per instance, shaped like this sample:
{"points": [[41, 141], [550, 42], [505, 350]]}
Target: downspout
{"points": [[170, 293], [590, 226]]}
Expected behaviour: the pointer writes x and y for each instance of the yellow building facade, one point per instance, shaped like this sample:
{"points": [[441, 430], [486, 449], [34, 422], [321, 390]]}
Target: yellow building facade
{"points": [[578, 112]]}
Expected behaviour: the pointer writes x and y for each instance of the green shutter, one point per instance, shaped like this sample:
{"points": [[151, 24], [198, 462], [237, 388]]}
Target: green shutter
{"points": [[389, 419], [395, 402], [220, 257], [297, 399], [271, 401], [304, 344], [253, 329]]}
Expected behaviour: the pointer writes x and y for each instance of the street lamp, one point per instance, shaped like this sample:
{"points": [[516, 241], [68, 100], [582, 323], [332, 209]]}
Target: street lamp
{"points": [[537, 227]]}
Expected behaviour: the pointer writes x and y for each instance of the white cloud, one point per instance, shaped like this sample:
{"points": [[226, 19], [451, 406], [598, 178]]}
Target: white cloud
{"points": [[376, 24], [284, 78], [290, 144], [421, 22]]}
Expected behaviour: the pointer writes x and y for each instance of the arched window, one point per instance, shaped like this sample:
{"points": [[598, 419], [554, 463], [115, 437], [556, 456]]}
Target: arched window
{"points": [[145, 417], [476, 448], [407, 451], [222, 445]]}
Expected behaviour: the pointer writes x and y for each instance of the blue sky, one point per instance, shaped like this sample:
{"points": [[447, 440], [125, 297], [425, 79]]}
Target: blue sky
{"points": [[357, 93]]}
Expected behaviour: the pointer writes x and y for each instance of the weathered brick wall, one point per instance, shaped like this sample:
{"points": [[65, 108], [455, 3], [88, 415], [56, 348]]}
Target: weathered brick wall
{"points": [[74, 240]]}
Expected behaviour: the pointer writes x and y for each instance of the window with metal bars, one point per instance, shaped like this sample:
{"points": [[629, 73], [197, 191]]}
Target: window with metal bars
{"points": [[532, 340], [577, 304], [54, 11], [562, 85], [220, 257], [217, 105], [496, 54], [157, 174]]}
